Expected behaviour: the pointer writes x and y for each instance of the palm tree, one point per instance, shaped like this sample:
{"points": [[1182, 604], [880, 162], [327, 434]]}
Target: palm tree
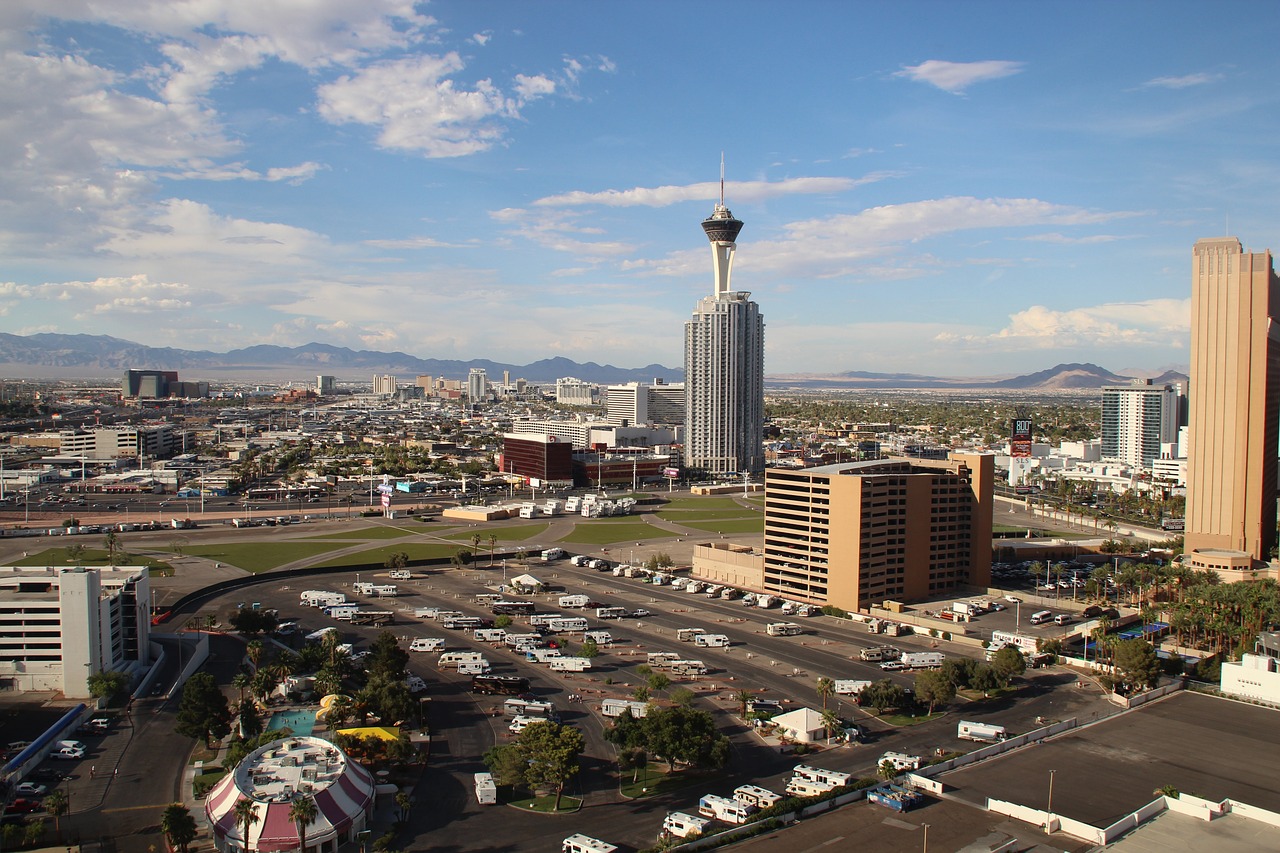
{"points": [[57, 804], [178, 826], [493, 543], [830, 721], [241, 682], [742, 697], [112, 542], [246, 814], [826, 688], [303, 811], [255, 650]]}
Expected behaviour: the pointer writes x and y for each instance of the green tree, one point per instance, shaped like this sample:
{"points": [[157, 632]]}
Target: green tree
{"points": [[742, 697], [830, 721], [1136, 663], [250, 719], [252, 622], [826, 689], [551, 752], [506, 763], [111, 542], [57, 804], [627, 731], [883, 695], [641, 693], [303, 811], [682, 735], [659, 681], [1007, 663], [958, 670], [933, 688], [590, 648], [681, 696], [177, 824], [396, 560], [107, 684], [635, 759], [887, 770], [203, 711], [246, 815], [504, 621], [387, 657], [404, 805]]}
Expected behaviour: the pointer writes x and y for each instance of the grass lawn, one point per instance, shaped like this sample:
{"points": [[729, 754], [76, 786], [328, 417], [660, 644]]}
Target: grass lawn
{"points": [[504, 534], [415, 550], [606, 532], [372, 532], [203, 783], [259, 556], [732, 525], [89, 557], [654, 782], [681, 516], [548, 804], [697, 503], [979, 696]]}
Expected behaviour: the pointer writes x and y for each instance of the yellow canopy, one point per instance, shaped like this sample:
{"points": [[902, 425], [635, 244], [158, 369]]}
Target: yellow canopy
{"points": [[383, 732]]}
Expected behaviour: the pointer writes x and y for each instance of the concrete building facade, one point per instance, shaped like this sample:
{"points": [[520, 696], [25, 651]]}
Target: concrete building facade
{"points": [[1234, 411], [860, 533], [1137, 419], [724, 365], [60, 626]]}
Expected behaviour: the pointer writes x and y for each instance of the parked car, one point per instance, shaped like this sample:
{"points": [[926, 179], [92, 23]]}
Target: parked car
{"points": [[21, 806], [638, 613], [68, 753], [30, 789], [893, 665]]}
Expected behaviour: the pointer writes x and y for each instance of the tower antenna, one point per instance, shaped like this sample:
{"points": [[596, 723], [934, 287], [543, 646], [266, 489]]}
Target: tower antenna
{"points": [[722, 179]]}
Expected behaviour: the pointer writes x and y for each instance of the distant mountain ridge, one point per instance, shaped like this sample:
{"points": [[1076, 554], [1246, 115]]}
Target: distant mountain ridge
{"points": [[94, 356]]}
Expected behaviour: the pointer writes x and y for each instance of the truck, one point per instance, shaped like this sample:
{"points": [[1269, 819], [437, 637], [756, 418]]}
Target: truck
{"points": [[425, 612], [711, 641], [486, 790], [525, 708], [725, 809], [573, 602], [922, 660], [754, 795], [376, 618], [552, 554], [1024, 643], [610, 612], [964, 608], [981, 732], [686, 635], [782, 629], [899, 761], [567, 624], [563, 664], [616, 708], [538, 655], [579, 560], [896, 797], [850, 687]]}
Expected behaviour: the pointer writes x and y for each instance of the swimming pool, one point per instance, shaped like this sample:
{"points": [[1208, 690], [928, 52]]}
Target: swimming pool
{"points": [[301, 722]]}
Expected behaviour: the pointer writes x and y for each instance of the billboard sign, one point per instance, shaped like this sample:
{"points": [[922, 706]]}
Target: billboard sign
{"points": [[386, 500], [1020, 441], [671, 473]]}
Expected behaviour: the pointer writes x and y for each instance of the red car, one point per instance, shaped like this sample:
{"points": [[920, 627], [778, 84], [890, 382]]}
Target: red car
{"points": [[23, 806]]}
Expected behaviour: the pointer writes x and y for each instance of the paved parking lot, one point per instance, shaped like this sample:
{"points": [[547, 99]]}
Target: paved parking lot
{"points": [[1203, 745]]}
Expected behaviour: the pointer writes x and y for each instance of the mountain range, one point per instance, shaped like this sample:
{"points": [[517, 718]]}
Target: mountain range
{"points": [[48, 355]]}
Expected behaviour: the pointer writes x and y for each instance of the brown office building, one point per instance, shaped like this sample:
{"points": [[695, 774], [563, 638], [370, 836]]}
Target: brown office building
{"points": [[1235, 406], [855, 534], [544, 458]]}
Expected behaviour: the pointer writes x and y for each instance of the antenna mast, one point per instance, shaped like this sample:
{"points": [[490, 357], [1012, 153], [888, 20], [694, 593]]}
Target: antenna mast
{"points": [[722, 179]]}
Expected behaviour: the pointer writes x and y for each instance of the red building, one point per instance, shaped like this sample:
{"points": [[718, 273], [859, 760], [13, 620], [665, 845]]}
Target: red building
{"points": [[538, 457]]}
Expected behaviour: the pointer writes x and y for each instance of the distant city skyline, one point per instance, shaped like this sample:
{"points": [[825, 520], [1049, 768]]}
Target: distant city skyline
{"points": [[977, 189]]}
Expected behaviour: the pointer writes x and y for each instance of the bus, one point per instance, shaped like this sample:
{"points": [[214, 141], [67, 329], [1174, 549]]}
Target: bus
{"points": [[512, 608], [499, 685]]}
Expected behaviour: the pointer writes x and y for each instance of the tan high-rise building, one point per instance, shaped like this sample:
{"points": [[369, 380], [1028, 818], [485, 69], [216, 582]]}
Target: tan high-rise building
{"points": [[855, 534], [1235, 410]]}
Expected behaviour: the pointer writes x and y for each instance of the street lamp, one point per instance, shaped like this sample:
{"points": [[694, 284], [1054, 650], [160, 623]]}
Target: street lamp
{"points": [[926, 838], [1048, 824]]}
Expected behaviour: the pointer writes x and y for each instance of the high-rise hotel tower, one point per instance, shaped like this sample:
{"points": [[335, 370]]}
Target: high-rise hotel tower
{"points": [[724, 365], [1235, 410]]}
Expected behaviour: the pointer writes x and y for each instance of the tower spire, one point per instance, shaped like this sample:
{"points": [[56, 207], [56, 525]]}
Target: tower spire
{"points": [[722, 230], [722, 179]]}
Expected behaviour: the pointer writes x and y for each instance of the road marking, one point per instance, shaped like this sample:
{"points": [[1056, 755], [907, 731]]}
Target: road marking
{"points": [[136, 808]]}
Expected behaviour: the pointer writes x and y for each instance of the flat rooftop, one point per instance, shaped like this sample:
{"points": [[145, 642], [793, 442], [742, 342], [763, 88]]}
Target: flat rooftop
{"points": [[1203, 745], [277, 771]]}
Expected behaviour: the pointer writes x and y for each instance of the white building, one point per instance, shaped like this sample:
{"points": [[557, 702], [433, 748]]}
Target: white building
{"points": [[384, 385], [575, 392], [58, 626], [583, 434], [326, 384], [627, 405], [1257, 675], [114, 442], [1137, 419], [724, 365]]}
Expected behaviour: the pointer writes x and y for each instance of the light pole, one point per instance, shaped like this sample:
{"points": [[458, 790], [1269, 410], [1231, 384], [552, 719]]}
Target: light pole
{"points": [[1048, 824], [926, 838], [1017, 625]]}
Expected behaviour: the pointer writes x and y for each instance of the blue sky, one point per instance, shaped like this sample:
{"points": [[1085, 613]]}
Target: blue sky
{"points": [[946, 188]]}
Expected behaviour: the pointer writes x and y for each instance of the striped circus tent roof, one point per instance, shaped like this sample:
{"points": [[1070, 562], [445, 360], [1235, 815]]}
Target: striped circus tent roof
{"points": [[273, 777]]}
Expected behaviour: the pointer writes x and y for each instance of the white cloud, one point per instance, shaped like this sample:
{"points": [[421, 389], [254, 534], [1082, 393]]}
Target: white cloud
{"points": [[1065, 240], [1186, 81], [482, 38], [956, 77], [1154, 322], [125, 295], [418, 243], [736, 191], [190, 232]]}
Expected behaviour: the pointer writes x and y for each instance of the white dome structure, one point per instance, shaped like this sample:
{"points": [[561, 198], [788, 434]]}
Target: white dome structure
{"points": [[275, 775]]}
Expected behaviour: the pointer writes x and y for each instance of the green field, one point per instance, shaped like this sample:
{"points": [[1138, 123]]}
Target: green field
{"points": [[88, 557], [686, 516], [504, 534], [415, 550], [258, 556], [697, 503], [732, 525], [373, 532], [602, 532]]}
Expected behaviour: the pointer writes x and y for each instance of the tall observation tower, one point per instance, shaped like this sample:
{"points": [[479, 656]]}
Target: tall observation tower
{"points": [[724, 365]]}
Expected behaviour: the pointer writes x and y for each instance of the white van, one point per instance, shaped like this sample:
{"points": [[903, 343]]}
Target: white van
{"points": [[490, 635], [1062, 619], [683, 825], [401, 575], [714, 641], [1040, 617], [426, 644], [724, 809]]}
